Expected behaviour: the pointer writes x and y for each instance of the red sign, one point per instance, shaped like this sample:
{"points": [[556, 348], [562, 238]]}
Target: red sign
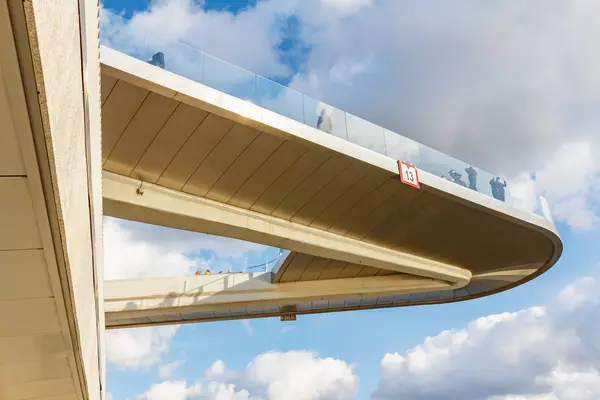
{"points": [[409, 174]]}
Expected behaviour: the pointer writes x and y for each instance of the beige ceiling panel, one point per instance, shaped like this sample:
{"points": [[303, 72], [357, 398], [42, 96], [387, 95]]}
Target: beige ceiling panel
{"points": [[31, 348], [333, 190], [220, 159], [72, 396], [364, 208], [333, 269], [314, 269], [28, 317], [267, 173], [396, 229], [18, 228], [437, 219], [368, 271], [244, 167], [107, 83], [403, 199], [11, 162], [196, 149], [350, 271], [23, 274], [486, 242], [118, 110], [46, 369], [165, 146], [306, 190], [344, 203], [289, 180], [143, 128], [431, 214], [296, 268], [40, 390]]}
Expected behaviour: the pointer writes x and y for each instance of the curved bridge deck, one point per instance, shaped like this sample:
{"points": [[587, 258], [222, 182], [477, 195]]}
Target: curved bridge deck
{"points": [[177, 153]]}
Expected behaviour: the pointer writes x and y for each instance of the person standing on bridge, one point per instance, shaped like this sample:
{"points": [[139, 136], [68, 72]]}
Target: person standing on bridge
{"points": [[158, 59], [472, 174], [456, 177], [324, 122], [498, 188]]}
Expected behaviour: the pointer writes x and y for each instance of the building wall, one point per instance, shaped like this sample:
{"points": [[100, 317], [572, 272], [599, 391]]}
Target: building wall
{"points": [[63, 37]]}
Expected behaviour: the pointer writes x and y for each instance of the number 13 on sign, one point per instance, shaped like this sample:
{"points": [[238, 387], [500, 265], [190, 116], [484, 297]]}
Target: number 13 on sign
{"points": [[409, 174]]}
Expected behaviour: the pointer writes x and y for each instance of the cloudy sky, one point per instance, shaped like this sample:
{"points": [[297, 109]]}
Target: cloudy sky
{"points": [[511, 86]]}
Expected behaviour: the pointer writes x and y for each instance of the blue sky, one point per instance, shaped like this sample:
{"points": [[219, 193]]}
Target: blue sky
{"points": [[509, 98]]}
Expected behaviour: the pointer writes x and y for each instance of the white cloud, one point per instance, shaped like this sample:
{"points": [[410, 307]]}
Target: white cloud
{"points": [[168, 390], [135, 250], [186, 241], [344, 71], [550, 352], [467, 77], [569, 180], [344, 7], [165, 371], [137, 348], [347, 4], [295, 375], [126, 257], [247, 39], [300, 375]]}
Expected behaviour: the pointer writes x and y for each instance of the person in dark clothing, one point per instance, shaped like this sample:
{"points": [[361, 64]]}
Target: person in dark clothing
{"points": [[472, 174], [324, 122], [158, 59], [456, 177], [498, 188]]}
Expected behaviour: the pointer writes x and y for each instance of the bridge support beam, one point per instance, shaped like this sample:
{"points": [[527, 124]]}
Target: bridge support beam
{"points": [[132, 199], [156, 301]]}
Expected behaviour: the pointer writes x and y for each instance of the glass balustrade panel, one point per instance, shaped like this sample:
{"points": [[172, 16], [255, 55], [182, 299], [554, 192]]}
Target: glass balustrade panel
{"points": [[325, 117], [229, 79], [401, 148], [365, 133], [280, 99]]}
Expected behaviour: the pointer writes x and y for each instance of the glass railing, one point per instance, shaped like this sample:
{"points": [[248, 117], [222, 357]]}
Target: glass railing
{"points": [[128, 37], [273, 257], [271, 261]]}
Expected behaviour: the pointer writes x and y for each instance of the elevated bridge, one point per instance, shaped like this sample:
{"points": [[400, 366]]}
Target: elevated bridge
{"points": [[181, 154]]}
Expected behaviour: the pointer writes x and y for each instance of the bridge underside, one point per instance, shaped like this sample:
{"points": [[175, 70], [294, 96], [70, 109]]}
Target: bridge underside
{"points": [[159, 301], [339, 208]]}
